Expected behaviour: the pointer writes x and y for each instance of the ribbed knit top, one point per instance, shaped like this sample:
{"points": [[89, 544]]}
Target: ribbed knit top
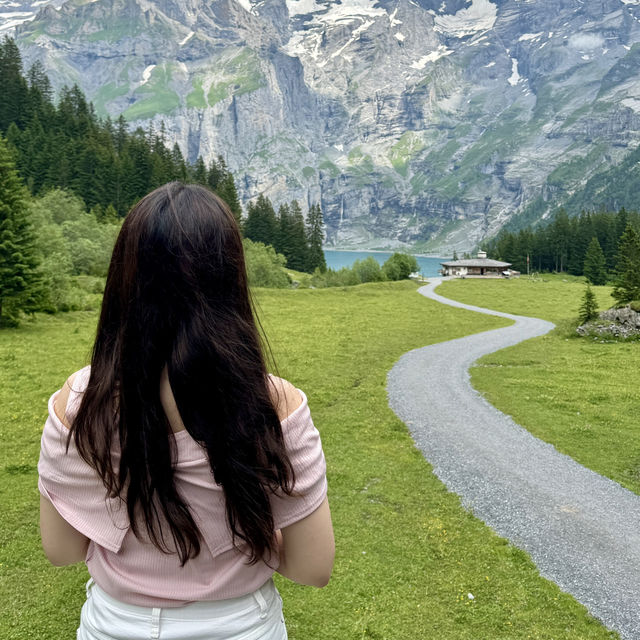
{"points": [[135, 571]]}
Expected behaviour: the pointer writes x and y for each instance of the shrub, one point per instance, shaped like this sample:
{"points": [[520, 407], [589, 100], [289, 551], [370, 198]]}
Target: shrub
{"points": [[265, 267], [399, 266], [345, 277], [368, 270], [70, 243]]}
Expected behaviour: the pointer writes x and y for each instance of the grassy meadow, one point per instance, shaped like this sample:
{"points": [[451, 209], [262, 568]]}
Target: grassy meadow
{"points": [[411, 563], [579, 394]]}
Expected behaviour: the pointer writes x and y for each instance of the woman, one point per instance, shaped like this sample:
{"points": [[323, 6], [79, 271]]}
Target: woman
{"points": [[179, 470]]}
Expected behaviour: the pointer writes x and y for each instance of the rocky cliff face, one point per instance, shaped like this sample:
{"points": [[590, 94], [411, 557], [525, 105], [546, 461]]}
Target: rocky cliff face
{"points": [[424, 123]]}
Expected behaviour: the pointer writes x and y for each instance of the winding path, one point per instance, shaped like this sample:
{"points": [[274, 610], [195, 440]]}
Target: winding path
{"points": [[581, 529]]}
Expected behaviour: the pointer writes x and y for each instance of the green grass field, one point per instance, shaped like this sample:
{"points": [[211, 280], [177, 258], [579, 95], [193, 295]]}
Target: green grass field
{"points": [[579, 394], [408, 555]]}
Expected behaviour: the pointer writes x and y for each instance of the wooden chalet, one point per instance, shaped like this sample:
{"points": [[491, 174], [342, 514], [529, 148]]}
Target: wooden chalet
{"points": [[480, 267]]}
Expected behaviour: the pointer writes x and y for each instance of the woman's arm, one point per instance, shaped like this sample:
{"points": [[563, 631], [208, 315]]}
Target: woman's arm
{"points": [[62, 544], [307, 548]]}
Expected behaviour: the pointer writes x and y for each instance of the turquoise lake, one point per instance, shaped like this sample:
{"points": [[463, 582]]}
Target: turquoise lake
{"points": [[337, 259]]}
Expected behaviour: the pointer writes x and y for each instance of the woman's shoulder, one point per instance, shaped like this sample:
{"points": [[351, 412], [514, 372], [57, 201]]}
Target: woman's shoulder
{"points": [[74, 385], [287, 399]]}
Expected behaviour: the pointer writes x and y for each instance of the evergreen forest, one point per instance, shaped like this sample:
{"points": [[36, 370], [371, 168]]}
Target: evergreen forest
{"points": [[68, 178], [602, 246]]}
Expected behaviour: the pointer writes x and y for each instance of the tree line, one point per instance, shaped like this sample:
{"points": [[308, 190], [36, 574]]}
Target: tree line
{"points": [[67, 146], [288, 233], [68, 177], [602, 246]]}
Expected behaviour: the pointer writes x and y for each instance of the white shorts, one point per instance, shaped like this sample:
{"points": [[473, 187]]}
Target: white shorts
{"points": [[256, 616]]}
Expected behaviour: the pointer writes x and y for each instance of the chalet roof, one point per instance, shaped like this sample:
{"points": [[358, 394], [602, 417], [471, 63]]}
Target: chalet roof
{"points": [[476, 262]]}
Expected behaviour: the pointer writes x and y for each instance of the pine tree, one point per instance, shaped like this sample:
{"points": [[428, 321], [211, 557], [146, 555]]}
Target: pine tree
{"points": [[261, 223], [120, 134], [137, 181], [220, 181], [582, 232], [506, 248], [18, 262], [561, 239], [214, 174], [14, 97], [161, 164], [298, 256], [68, 146], [282, 243], [40, 92], [179, 169], [200, 171], [589, 306], [627, 283], [622, 220], [604, 225], [595, 264], [315, 238], [226, 189]]}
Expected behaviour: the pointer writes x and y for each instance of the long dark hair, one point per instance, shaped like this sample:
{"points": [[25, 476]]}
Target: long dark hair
{"points": [[176, 295]]}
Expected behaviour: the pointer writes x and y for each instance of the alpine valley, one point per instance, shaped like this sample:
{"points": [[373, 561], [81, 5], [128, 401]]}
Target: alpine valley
{"points": [[427, 124]]}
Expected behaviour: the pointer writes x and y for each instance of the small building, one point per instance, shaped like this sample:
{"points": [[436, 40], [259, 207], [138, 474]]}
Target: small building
{"points": [[480, 267]]}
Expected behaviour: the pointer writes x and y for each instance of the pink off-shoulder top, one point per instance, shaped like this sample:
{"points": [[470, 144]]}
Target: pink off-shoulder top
{"points": [[135, 571]]}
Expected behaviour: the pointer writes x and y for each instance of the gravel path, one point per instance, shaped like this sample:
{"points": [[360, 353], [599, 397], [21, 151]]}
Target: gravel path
{"points": [[582, 530]]}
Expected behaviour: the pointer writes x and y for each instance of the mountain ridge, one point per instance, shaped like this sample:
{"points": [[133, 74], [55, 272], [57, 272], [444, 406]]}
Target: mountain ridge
{"points": [[415, 124]]}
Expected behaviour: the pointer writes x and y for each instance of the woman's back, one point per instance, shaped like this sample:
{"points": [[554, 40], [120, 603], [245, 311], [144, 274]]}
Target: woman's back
{"points": [[182, 471], [135, 571]]}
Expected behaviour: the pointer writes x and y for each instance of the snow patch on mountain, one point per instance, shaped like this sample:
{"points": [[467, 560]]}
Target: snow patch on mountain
{"points": [[319, 18], [349, 11], [296, 46], [8, 25], [514, 78], [632, 103], [361, 29], [146, 74], [440, 52], [246, 5], [392, 18], [529, 36], [480, 16], [14, 14], [331, 13], [186, 38], [586, 41], [303, 7]]}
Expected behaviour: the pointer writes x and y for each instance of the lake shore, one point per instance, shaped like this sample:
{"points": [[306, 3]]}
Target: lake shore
{"points": [[428, 266]]}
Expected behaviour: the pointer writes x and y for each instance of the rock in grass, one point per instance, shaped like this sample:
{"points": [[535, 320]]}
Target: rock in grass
{"points": [[621, 323]]}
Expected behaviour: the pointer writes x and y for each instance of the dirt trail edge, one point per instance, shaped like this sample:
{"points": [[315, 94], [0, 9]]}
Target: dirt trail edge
{"points": [[581, 529]]}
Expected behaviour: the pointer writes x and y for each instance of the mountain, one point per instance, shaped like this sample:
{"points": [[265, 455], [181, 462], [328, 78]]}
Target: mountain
{"points": [[426, 123], [14, 13]]}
